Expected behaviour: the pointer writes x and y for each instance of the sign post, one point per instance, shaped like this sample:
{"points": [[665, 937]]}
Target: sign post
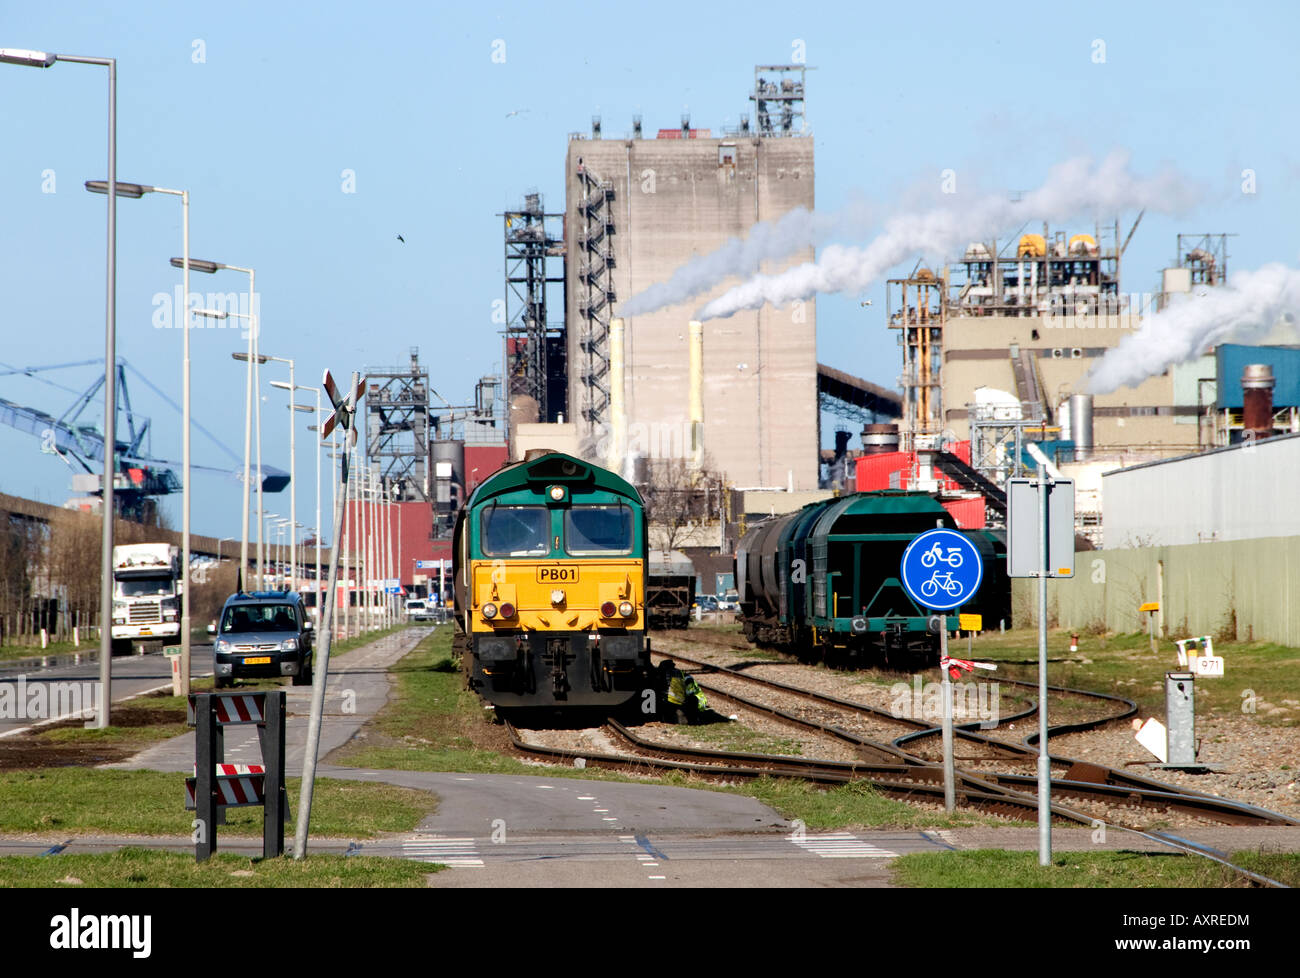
{"points": [[345, 407], [941, 569], [1040, 543]]}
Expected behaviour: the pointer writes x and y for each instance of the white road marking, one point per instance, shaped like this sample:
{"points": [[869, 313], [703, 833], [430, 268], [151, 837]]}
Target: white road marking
{"points": [[460, 853], [842, 845]]}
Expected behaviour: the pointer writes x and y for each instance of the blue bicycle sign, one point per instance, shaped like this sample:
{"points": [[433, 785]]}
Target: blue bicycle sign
{"points": [[941, 569]]}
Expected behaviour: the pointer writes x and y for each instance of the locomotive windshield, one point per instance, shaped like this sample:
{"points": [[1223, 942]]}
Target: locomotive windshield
{"points": [[515, 531], [598, 530]]}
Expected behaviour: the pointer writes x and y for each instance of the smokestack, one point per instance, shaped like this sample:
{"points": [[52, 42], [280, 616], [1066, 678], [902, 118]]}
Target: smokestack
{"points": [[1257, 400], [1081, 425], [879, 439], [697, 392], [617, 410]]}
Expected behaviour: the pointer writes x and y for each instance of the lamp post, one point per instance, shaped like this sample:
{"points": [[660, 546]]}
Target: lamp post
{"points": [[261, 550], [136, 191], [262, 358], [293, 484], [44, 59], [210, 268]]}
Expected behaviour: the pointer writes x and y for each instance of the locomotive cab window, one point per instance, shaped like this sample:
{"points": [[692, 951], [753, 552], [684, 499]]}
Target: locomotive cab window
{"points": [[515, 531], [598, 530]]}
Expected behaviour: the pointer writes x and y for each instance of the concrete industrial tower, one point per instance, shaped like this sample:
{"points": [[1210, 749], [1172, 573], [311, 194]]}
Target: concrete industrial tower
{"points": [[638, 208]]}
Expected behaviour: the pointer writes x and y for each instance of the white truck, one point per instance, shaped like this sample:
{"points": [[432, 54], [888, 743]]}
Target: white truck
{"points": [[147, 586]]}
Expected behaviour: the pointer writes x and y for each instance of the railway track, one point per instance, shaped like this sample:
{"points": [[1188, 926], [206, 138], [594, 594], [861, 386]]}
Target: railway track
{"points": [[1081, 780], [916, 781], [894, 767]]}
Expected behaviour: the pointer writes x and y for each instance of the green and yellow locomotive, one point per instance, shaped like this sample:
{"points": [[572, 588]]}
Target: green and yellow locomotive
{"points": [[550, 566]]}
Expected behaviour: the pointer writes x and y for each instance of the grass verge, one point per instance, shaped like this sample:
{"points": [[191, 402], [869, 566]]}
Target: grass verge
{"points": [[134, 867], [987, 868], [433, 724], [80, 800], [1125, 665]]}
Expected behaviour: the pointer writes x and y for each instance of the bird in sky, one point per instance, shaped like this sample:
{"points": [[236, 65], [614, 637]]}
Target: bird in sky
{"points": [[515, 112], [401, 239]]}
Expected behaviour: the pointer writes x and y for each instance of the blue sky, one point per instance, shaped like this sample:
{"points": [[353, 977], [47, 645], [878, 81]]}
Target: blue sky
{"points": [[285, 97]]}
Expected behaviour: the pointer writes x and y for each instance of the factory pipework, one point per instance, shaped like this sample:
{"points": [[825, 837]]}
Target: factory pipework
{"points": [[696, 378]]}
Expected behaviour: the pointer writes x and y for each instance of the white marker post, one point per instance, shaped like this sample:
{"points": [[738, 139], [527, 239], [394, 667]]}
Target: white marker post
{"points": [[949, 765]]}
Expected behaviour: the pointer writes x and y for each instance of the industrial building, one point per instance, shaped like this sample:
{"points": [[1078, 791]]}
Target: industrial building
{"points": [[639, 207], [1021, 324]]}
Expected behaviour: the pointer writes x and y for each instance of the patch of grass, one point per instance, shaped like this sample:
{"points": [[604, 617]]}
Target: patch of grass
{"points": [[82, 800], [998, 868], [88, 644], [134, 867], [731, 736], [853, 805], [1124, 665]]}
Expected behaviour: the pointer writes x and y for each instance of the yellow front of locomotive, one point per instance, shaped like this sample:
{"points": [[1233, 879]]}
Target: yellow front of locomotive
{"points": [[554, 559]]}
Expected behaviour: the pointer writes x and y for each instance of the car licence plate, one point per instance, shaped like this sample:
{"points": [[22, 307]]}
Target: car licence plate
{"points": [[261, 660]]}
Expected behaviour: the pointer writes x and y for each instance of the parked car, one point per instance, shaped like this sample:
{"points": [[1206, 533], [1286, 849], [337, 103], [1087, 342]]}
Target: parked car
{"points": [[729, 601], [706, 602], [263, 633], [417, 609]]}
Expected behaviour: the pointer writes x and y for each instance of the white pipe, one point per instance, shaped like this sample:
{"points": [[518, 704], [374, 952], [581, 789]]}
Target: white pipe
{"points": [[617, 408], [696, 385]]}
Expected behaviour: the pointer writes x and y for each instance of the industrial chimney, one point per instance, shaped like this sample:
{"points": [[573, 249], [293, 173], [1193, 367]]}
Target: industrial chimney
{"points": [[1257, 401], [879, 439]]}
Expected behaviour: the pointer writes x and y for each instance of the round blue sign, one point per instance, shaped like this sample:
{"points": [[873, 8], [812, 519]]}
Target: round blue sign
{"points": [[941, 569]]}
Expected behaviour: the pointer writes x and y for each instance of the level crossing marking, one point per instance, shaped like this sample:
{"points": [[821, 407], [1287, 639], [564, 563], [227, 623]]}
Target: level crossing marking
{"points": [[461, 853], [842, 845]]}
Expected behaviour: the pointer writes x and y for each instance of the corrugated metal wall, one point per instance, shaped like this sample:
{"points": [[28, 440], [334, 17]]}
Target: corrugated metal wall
{"points": [[1244, 589], [1240, 493]]}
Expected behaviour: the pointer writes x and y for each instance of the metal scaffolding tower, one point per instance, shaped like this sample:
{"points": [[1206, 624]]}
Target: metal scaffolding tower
{"points": [[1206, 255], [596, 258], [778, 100], [534, 257], [920, 316], [397, 428]]}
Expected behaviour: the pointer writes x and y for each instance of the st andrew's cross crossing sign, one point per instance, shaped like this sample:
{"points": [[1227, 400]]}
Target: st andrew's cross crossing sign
{"points": [[941, 569]]}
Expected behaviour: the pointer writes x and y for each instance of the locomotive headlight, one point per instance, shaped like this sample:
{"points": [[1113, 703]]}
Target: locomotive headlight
{"points": [[557, 494], [607, 609], [627, 609], [489, 610], [557, 596]]}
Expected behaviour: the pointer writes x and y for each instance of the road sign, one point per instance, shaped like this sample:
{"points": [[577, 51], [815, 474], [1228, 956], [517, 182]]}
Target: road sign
{"points": [[941, 569], [1023, 520]]}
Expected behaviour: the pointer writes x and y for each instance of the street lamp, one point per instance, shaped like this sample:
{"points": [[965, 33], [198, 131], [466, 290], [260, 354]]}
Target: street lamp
{"points": [[136, 191], [211, 267], [293, 460], [261, 551], [44, 59]]}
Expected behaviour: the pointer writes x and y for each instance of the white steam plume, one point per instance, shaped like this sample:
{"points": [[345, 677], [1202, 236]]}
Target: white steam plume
{"points": [[1248, 309], [768, 240], [1072, 188]]}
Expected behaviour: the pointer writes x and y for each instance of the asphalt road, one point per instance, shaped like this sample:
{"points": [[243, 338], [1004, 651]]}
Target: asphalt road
{"points": [[131, 676]]}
